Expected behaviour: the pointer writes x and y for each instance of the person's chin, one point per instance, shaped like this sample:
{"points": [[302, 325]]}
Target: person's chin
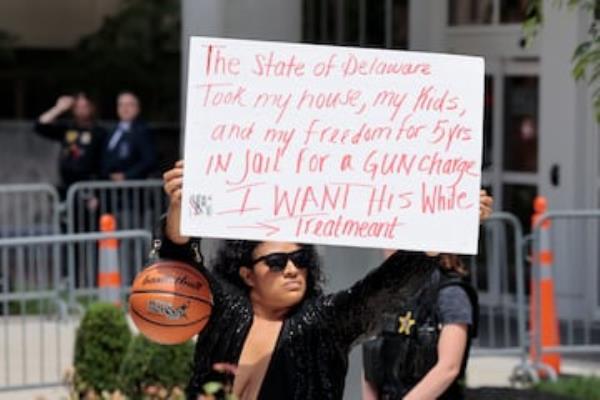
{"points": [[293, 297]]}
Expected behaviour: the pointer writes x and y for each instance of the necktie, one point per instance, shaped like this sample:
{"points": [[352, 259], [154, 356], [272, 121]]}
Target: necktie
{"points": [[117, 135]]}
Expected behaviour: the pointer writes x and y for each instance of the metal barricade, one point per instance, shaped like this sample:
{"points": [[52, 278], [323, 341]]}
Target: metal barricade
{"points": [[83, 258], [575, 271], [499, 277], [135, 204], [29, 210], [36, 340]]}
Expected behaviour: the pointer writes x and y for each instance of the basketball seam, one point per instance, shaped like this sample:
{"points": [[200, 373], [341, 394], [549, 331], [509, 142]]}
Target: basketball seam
{"points": [[150, 291], [183, 267], [161, 324]]}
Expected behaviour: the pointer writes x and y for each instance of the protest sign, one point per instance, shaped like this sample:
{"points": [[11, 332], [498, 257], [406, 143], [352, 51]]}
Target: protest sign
{"points": [[333, 145]]}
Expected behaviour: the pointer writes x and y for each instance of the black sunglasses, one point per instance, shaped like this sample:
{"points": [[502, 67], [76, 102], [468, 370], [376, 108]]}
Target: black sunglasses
{"points": [[278, 261]]}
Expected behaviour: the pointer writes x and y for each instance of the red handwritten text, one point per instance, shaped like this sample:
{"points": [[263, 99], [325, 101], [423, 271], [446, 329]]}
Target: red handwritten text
{"points": [[285, 67], [438, 198]]}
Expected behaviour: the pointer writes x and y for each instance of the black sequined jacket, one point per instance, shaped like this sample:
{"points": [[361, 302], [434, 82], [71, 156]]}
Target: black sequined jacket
{"points": [[310, 359]]}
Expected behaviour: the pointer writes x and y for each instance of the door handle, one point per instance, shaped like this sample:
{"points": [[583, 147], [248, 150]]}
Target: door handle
{"points": [[555, 175]]}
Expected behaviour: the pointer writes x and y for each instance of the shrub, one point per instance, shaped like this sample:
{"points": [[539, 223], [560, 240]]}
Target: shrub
{"points": [[100, 344], [148, 366], [584, 388]]}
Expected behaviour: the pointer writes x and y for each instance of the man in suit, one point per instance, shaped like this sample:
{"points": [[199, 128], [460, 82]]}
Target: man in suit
{"points": [[129, 152]]}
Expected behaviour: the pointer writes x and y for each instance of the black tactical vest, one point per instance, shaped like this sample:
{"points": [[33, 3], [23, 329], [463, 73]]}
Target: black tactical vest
{"points": [[406, 347]]}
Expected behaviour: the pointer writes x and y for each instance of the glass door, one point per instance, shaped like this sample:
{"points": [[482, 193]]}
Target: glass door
{"points": [[510, 159], [510, 167]]}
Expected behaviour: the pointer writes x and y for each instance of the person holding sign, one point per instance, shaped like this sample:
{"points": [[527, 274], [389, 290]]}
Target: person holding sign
{"points": [[271, 324]]}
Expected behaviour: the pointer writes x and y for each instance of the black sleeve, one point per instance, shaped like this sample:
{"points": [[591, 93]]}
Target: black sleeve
{"points": [[355, 312], [144, 141], [54, 131]]}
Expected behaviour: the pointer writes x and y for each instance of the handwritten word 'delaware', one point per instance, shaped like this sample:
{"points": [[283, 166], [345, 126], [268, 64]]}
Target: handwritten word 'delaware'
{"points": [[355, 65]]}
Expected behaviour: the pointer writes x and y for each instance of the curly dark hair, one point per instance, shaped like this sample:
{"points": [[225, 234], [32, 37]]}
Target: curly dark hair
{"points": [[233, 254]]}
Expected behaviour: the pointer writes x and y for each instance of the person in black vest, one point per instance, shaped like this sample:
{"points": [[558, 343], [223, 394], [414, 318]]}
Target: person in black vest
{"points": [[129, 152], [81, 139], [421, 350]]}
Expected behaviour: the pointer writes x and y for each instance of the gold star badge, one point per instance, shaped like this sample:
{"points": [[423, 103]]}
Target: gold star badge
{"points": [[406, 323], [71, 136]]}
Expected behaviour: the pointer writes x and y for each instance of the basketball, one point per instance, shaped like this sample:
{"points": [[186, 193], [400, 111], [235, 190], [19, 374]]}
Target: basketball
{"points": [[170, 302]]}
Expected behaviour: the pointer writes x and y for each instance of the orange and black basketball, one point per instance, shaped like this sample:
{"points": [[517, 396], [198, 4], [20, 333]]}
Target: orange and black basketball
{"points": [[170, 302]]}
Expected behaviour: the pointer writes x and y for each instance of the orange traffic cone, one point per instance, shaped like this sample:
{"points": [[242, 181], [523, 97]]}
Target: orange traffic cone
{"points": [[546, 316], [109, 277]]}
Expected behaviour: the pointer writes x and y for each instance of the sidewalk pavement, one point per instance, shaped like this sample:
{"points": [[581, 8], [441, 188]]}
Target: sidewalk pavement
{"points": [[496, 371]]}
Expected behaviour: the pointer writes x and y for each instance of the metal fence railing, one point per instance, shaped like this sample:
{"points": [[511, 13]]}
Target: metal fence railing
{"points": [[575, 271], [135, 204], [498, 274], [83, 259], [29, 210], [37, 289]]}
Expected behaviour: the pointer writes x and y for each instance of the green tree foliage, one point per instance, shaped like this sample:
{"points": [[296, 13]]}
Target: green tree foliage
{"points": [[151, 365], [586, 57], [137, 49], [100, 344]]}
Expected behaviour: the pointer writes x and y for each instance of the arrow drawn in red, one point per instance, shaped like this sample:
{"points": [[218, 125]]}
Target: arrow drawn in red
{"points": [[271, 229]]}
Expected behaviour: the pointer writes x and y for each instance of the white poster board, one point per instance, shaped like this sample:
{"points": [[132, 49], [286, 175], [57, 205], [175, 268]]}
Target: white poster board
{"points": [[333, 145]]}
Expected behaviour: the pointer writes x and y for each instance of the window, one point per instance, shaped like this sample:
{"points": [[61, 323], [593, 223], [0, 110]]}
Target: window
{"points": [[486, 12], [521, 123], [470, 12], [375, 24], [372, 23], [513, 11]]}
